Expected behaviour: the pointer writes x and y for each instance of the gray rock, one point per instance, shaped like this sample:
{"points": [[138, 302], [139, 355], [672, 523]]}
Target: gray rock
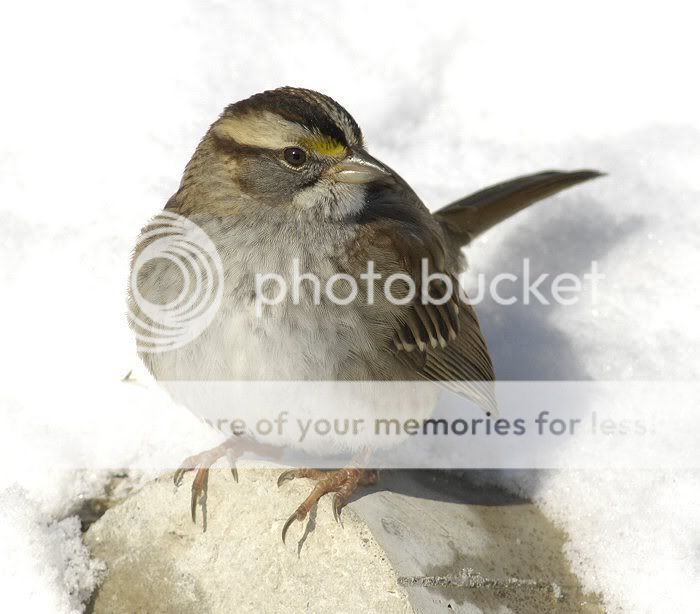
{"points": [[459, 547], [431, 539], [159, 561]]}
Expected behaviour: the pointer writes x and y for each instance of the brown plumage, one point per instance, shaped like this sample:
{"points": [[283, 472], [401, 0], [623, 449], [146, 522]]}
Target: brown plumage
{"points": [[285, 174], [444, 343]]}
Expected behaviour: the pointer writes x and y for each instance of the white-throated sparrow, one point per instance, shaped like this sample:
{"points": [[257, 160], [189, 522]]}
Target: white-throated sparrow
{"points": [[284, 175]]}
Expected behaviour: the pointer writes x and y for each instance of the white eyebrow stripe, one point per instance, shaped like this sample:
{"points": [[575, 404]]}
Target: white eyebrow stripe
{"points": [[266, 130]]}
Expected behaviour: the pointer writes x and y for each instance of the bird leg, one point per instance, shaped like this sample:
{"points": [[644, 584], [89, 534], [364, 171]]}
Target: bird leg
{"points": [[233, 448], [343, 482]]}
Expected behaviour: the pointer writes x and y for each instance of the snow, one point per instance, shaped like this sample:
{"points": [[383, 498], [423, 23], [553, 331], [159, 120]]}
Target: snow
{"points": [[47, 568], [634, 534], [103, 106]]}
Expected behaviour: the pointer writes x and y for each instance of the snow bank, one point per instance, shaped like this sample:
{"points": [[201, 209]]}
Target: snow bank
{"points": [[46, 567]]}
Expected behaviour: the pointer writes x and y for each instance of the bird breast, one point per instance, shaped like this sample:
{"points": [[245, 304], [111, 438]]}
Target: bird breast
{"points": [[247, 339], [247, 355]]}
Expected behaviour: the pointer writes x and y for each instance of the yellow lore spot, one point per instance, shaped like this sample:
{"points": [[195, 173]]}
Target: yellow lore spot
{"points": [[325, 146]]}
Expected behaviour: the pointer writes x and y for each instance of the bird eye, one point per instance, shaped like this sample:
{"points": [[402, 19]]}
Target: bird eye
{"points": [[295, 156]]}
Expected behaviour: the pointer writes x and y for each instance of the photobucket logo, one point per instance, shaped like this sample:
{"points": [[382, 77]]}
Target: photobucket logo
{"points": [[176, 284], [431, 289]]}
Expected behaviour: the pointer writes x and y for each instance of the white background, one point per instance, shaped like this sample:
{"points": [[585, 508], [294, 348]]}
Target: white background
{"points": [[102, 105]]}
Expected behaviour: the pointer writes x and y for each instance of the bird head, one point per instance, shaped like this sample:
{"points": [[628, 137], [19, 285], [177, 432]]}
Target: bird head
{"points": [[287, 148]]}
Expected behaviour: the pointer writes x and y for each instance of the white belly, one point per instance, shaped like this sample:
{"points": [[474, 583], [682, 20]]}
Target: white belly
{"points": [[294, 341]]}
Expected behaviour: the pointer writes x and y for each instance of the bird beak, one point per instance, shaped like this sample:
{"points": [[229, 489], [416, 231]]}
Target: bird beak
{"points": [[359, 168]]}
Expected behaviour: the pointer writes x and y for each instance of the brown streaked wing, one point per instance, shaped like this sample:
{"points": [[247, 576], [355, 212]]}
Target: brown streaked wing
{"points": [[441, 343]]}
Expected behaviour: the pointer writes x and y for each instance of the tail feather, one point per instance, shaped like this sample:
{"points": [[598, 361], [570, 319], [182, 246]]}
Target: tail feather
{"points": [[468, 217]]}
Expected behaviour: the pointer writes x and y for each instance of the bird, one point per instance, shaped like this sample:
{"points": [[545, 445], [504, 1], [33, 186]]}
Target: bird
{"points": [[286, 174]]}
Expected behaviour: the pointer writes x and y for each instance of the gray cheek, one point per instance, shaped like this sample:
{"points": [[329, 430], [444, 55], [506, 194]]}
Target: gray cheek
{"points": [[268, 179]]}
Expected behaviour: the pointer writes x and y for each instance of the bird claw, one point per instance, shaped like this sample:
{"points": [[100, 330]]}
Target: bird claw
{"points": [[232, 448], [286, 476], [187, 465], [178, 476], [342, 482], [202, 462], [299, 515], [200, 485], [338, 505], [232, 457], [193, 507]]}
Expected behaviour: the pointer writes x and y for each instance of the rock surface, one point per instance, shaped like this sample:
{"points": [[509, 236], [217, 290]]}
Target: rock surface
{"points": [[430, 542], [159, 561], [459, 547]]}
